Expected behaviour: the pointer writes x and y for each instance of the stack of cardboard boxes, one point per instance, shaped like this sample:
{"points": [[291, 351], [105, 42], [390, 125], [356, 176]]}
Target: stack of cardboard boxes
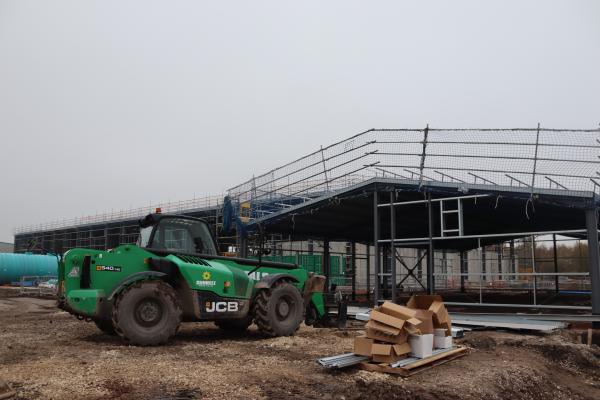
{"points": [[394, 331]]}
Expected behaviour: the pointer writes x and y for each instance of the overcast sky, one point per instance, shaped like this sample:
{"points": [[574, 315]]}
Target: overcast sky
{"points": [[115, 104]]}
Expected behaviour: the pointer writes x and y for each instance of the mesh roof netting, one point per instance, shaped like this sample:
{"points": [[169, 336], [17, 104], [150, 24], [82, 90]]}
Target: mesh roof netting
{"points": [[534, 159]]}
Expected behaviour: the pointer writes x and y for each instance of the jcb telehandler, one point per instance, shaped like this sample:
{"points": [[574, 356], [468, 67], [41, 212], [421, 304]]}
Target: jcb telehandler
{"points": [[143, 292]]}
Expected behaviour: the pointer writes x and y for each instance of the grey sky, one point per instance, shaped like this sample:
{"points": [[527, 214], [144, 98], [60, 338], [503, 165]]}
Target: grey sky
{"points": [[113, 104]]}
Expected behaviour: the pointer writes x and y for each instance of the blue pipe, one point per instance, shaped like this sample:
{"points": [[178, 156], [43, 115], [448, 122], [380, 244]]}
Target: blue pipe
{"points": [[14, 266]]}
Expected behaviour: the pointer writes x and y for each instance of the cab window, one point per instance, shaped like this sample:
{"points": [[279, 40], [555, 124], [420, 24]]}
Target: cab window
{"points": [[183, 235]]}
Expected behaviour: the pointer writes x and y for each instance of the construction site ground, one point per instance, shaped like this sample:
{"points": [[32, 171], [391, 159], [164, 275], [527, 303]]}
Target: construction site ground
{"points": [[48, 354]]}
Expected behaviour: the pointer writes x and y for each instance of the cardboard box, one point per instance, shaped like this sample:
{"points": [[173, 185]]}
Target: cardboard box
{"points": [[412, 329], [414, 321], [402, 349], [426, 318], [383, 337], [422, 301], [421, 346], [398, 311], [387, 319], [385, 359], [387, 353], [362, 346], [440, 314], [435, 304], [381, 349], [378, 326], [446, 326], [441, 318], [442, 342]]}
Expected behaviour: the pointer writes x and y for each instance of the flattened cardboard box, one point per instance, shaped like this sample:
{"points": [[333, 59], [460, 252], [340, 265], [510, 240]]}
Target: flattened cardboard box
{"points": [[362, 346], [387, 319], [382, 337], [402, 349], [378, 326], [404, 313], [398, 311], [387, 353], [426, 318]]}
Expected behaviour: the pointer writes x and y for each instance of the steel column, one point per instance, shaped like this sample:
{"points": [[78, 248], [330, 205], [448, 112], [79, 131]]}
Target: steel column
{"points": [[481, 267], [533, 269], [462, 271], [393, 277], [499, 249], [556, 289], [385, 272], [430, 258], [483, 264], [591, 222], [376, 246], [513, 261], [326, 263], [353, 261], [420, 264], [368, 271], [243, 250]]}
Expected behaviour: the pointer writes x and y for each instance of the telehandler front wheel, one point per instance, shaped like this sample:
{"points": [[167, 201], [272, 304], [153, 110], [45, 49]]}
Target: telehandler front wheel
{"points": [[279, 311], [105, 325], [147, 313]]}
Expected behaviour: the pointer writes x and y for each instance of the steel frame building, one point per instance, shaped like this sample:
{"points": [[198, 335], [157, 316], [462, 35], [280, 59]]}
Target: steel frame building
{"points": [[428, 189], [450, 190]]}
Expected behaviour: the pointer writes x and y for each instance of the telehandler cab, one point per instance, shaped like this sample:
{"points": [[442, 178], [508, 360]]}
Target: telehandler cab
{"points": [[143, 292]]}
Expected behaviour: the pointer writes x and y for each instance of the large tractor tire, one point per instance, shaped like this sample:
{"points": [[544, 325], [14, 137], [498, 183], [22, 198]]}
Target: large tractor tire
{"points": [[106, 326], [147, 313], [234, 325], [279, 311]]}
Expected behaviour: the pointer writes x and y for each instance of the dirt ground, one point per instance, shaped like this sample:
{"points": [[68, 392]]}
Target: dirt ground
{"points": [[48, 354]]}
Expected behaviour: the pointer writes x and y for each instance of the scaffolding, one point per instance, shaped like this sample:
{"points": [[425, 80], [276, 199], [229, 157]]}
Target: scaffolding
{"points": [[108, 230]]}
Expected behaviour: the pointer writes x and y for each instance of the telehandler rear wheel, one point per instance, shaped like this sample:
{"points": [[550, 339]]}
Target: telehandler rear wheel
{"points": [[236, 325], [279, 311], [147, 313]]}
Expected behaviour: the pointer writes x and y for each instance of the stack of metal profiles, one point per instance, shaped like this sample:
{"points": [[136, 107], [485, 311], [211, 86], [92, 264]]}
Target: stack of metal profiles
{"points": [[349, 359], [407, 361], [506, 321], [341, 360]]}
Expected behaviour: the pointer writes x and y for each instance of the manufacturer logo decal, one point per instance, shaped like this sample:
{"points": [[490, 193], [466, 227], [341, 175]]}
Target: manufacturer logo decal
{"points": [[206, 283], [221, 306], [74, 272], [111, 268]]}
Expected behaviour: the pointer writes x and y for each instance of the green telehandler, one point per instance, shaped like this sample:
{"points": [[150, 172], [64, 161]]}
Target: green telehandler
{"points": [[143, 292]]}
